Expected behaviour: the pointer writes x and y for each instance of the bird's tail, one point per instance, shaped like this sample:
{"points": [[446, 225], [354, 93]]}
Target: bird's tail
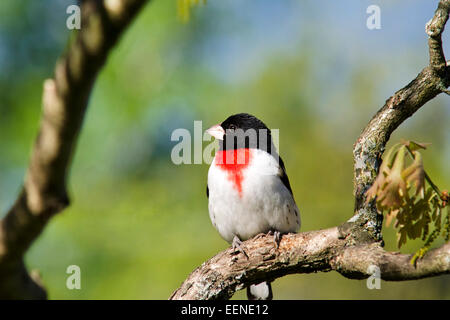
{"points": [[261, 291]]}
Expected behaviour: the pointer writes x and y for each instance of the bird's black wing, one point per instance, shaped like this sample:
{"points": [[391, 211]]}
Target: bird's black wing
{"points": [[283, 176], [207, 190]]}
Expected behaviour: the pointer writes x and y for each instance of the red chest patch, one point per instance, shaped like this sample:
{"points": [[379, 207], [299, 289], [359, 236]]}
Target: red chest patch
{"points": [[234, 162]]}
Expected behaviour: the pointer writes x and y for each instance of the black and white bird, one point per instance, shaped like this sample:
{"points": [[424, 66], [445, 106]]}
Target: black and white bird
{"points": [[248, 189]]}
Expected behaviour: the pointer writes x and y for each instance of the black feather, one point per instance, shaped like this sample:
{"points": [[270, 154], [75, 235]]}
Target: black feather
{"points": [[283, 176]]}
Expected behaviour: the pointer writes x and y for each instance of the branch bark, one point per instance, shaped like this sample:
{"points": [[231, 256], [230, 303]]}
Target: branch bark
{"points": [[351, 247], [65, 99], [307, 252]]}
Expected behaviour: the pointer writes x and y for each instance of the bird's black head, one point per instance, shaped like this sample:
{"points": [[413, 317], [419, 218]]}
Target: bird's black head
{"points": [[243, 121], [242, 130]]}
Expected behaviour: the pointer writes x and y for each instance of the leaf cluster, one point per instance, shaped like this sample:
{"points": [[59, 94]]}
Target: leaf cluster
{"points": [[404, 191]]}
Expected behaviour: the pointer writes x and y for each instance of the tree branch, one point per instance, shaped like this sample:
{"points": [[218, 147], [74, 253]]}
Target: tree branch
{"points": [[434, 28], [307, 252], [356, 244], [226, 273], [354, 262], [65, 99], [370, 145]]}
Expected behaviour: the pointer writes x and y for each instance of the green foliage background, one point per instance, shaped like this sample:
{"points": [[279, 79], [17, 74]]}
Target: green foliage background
{"points": [[138, 224]]}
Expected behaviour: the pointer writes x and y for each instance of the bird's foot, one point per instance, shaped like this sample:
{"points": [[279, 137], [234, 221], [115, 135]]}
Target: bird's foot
{"points": [[237, 246], [259, 235], [276, 238]]}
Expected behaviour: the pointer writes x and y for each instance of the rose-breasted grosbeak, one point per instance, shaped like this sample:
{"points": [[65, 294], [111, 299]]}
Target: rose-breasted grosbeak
{"points": [[248, 188]]}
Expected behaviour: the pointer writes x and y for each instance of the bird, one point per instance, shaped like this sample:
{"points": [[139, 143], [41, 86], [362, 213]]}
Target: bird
{"points": [[248, 189]]}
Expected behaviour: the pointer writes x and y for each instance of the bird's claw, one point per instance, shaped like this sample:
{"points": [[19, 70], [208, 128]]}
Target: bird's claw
{"points": [[259, 235], [276, 238], [237, 246]]}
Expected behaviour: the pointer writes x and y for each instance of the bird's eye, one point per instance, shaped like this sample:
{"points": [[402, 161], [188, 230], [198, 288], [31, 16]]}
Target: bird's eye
{"points": [[232, 127]]}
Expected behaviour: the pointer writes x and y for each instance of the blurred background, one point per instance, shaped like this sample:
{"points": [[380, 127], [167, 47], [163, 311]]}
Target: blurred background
{"points": [[139, 224]]}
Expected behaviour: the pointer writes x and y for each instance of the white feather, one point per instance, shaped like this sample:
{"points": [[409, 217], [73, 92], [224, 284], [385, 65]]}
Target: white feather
{"points": [[264, 203]]}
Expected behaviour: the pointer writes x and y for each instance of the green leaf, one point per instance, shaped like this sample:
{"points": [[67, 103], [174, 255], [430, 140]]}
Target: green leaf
{"points": [[413, 146], [401, 236], [414, 175], [401, 193], [394, 189]]}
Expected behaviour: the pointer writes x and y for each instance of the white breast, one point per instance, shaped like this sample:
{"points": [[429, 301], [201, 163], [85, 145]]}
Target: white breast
{"points": [[264, 203]]}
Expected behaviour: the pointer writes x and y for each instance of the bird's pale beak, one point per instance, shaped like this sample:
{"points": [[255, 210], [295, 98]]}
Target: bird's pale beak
{"points": [[216, 131]]}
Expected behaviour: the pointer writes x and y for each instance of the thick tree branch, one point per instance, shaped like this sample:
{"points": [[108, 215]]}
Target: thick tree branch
{"points": [[434, 29], [353, 262], [370, 145], [222, 275], [353, 246], [307, 252], [65, 99]]}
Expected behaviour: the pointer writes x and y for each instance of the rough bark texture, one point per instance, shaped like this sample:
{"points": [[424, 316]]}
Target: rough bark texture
{"points": [[65, 99], [307, 252], [355, 245]]}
